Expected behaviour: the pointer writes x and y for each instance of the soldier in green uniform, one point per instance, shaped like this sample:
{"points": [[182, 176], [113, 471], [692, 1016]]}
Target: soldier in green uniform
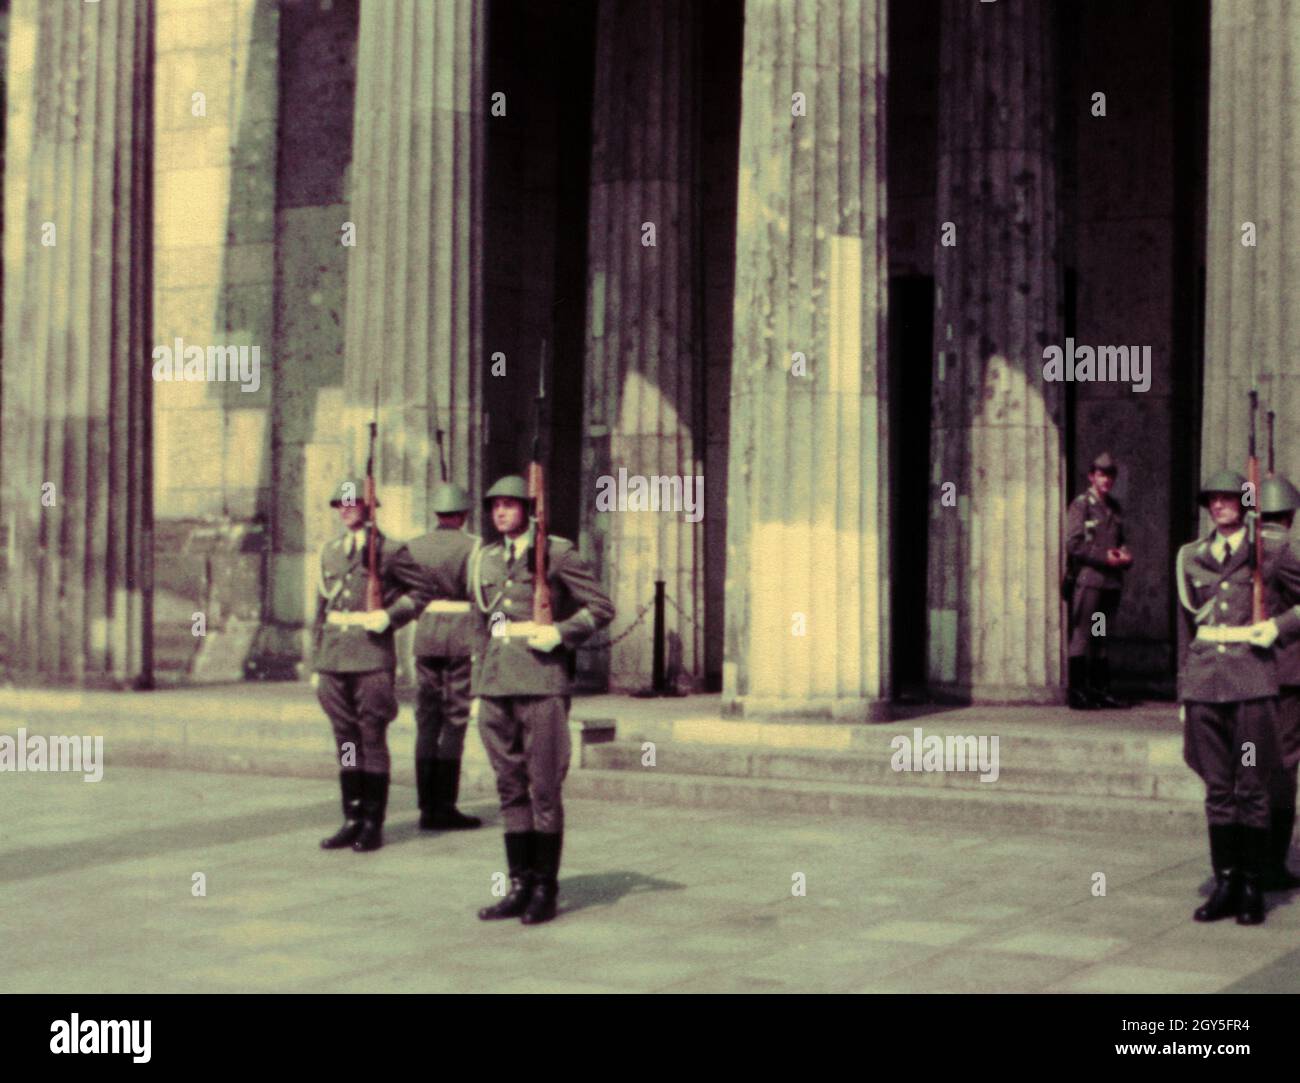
{"points": [[1278, 501], [1094, 540], [521, 684], [436, 565], [1227, 683], [354, 660]]}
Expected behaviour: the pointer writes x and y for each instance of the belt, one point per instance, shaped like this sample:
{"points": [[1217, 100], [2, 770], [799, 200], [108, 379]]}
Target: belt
{"points": [[514, 629], [1224, 633], [339, 617], [443, 605]]}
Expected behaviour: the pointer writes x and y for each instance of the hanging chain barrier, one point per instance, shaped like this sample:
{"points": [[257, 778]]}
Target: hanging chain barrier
{"points": [[640, 616]]}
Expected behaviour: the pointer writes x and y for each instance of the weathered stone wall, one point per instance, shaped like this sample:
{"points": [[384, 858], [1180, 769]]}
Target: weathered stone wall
{"points": [[214, 149]]}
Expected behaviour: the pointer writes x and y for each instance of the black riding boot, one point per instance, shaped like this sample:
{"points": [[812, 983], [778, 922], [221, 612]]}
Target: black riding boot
{"points": [[1225, 856], [1280, 877], [374, 803], [350, 784], [426, 789], [446, 788], [1080, 698], [1099, 686], [546, 866], [519, 860], [1255, 851]]}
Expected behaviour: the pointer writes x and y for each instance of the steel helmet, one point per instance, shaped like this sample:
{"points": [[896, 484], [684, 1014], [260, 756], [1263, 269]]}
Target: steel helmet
{"points": [[512, 485], [1277, 496], [1223, 481], [449, 499]]}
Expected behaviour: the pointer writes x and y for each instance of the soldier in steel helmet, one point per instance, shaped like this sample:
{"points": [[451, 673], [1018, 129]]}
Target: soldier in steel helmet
{"points": [[436, 565], [1278, 501], [355, 661], [1099, 557], [521, 684], [1227, 683]]}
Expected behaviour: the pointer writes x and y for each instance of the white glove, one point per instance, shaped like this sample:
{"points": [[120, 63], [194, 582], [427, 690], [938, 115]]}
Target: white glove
{"points": [[545, 639], [1263, 633], [376, 620]]}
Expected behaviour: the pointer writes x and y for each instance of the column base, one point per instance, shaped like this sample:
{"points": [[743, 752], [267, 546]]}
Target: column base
{"points": [[803, 709]]}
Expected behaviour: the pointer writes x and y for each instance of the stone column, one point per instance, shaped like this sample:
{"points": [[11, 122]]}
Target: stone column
{"points": [[642, 379], [1252, 282], [807, 620], [413, 276], [995, 621], [77, 475]]}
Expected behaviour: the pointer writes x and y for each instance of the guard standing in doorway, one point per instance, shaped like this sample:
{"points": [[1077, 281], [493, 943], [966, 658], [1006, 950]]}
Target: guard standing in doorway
{"points": [[1099, 557]]}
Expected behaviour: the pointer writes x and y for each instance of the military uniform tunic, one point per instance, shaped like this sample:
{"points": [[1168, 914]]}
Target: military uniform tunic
{"points": [[523, 694], [1228, 688], [1094, 525], [356, 667], [436, 565], [1288, 698]]}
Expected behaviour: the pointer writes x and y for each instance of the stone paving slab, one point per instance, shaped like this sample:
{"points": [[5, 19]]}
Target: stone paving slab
{"points": [[97, 878]]}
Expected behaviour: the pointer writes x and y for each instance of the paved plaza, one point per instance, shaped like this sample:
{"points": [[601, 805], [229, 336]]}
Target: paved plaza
{"points": [[97, 880]]}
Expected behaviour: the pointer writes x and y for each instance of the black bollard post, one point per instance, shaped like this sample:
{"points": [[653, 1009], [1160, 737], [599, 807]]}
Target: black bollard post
{"points": [[658, 681]]}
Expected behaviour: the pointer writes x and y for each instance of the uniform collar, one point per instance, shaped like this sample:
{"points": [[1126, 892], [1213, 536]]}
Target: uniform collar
{"points": [[1232, 543], [519, 545]]}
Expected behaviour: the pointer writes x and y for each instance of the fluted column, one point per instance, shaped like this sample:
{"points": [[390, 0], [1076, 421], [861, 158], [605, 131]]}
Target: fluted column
{"points": [[413, 277], [1252, 321], [642, 350], [995, 617], [807, 620], [76, 471]]}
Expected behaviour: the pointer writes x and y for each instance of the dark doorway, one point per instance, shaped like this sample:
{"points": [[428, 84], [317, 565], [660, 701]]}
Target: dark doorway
{"points": [[536, 170], [911, 336]]}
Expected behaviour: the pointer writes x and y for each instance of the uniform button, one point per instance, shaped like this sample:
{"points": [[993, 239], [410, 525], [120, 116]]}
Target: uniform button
{"points": [[505, 603], [1223, 586], [1223, 649], [1223, 605]]}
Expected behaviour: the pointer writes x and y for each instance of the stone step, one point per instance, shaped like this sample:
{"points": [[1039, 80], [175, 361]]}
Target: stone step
{"points": [[1140, 738], [1084, 778], [930, 805]]}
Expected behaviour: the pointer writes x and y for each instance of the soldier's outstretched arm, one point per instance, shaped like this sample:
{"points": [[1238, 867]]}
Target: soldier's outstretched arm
{"points": [[1286, 578], [595, 610], [407, 587]]}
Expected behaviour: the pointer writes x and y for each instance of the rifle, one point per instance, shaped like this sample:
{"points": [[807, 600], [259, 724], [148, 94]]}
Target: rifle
{"points": [[374, 594], [1269, 416], [537, 494], [1255, 536]]}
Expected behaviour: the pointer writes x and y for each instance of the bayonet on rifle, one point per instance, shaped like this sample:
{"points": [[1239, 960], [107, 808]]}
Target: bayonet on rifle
{"points": [[537, 494], [374, 594]]}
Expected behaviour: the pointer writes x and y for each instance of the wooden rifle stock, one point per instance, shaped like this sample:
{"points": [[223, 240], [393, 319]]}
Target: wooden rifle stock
{"points": [[374, 595], [541, 585], [1255, 536]]}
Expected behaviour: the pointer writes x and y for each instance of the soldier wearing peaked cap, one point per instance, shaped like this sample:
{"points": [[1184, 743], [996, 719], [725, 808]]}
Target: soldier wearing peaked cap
{"points": [[1227, 683], [436, 565], [1099, 557], [354, 661], [1278, 501], [521, 685]]}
